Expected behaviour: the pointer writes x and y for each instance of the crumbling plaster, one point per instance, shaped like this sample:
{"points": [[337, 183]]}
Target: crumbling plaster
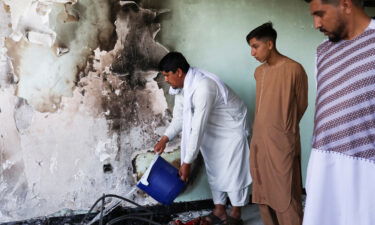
{"points": [[78, 92]]}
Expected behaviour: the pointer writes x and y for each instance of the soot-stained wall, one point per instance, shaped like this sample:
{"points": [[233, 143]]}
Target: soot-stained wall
{"points": [[79, 98]]}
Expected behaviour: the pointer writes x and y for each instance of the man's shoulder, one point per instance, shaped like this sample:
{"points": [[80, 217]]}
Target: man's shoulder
{"points": [[260, 68], [206, 83], [292, 64], [325, 43], [290, 61], [324, 47], [293, 68]]}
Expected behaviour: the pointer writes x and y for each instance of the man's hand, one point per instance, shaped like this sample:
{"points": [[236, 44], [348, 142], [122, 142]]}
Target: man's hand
{"points": [[160, 146], [185, 172]]}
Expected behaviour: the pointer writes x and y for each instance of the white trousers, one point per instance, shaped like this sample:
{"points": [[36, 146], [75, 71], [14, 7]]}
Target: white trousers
{"points": [[237, 198]]}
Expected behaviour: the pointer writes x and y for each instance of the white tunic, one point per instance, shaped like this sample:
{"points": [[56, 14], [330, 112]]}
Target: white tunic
{"points": [[340, 190], [220, 131]]}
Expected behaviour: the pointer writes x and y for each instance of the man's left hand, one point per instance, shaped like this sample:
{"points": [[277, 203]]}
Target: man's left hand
{"points": [[185, 172]]}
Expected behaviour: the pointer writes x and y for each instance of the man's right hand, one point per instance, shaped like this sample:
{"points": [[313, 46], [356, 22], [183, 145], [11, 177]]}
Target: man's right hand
{"points": [[160, 146]]}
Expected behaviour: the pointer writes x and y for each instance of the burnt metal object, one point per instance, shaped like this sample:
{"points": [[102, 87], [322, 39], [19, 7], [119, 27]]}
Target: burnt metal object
{"points": [[162, 214]]}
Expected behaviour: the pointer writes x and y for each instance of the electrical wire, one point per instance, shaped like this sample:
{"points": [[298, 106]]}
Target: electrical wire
{"points": [[149, 212], [101, 212]]}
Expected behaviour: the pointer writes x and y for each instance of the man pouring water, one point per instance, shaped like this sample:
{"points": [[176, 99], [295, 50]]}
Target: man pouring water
{"points": [[213, 120]]}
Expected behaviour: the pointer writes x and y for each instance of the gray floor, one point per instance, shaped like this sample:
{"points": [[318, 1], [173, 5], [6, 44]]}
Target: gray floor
{"points": [[251, 216]]}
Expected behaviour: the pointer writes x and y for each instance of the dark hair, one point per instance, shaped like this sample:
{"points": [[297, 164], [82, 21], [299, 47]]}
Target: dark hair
{"points": [[172, 61], [263, 32], [358, 3]]}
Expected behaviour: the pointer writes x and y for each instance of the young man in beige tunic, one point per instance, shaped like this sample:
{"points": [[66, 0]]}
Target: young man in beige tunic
{"points": [[281, 100]]}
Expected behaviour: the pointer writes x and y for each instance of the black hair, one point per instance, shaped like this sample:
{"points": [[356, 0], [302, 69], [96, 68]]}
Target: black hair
{"points": [[358, 3], [263, 32], [172, 61]]}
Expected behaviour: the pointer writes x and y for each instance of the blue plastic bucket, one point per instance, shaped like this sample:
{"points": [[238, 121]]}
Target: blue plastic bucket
{"points": [[161, 181]]}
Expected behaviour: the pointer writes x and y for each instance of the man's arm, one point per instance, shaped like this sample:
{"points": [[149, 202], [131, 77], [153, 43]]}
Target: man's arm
{"points": [[203, 103], [174, 128], [301, 92], [160, 146]]}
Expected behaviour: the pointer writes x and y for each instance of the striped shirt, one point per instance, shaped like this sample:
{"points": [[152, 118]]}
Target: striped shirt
{"points": [[345, 102]]}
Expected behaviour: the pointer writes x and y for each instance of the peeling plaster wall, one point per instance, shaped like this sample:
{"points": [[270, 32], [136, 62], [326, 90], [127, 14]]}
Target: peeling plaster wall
{"points": [[5, 30], [79, 95], [47, 56]]}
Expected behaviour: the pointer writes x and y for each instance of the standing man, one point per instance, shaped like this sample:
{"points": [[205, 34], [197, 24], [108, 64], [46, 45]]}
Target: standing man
{"points": [[341, 173], [281, 100], [213, 120]]}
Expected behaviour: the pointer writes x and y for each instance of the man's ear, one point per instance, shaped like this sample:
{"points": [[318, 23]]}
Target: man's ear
{"points": [[179, 72], [270, 45], [346, 5]]}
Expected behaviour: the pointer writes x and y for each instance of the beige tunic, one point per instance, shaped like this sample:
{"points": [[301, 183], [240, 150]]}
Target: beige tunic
{"points": [[281, 100]]}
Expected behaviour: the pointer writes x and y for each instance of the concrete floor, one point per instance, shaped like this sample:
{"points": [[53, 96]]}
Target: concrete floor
{"points": [[251, 216]]}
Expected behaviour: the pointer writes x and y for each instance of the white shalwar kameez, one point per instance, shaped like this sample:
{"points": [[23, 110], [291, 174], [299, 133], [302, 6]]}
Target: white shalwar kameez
{"points": [[218, 127], [340, 181]]}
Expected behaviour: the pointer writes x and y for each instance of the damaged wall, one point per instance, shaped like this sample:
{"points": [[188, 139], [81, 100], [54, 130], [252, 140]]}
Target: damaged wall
{"points": [[80, 98], [79, 95]]}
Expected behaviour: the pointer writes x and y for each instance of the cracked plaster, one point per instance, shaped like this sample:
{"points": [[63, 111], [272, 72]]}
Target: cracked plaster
{"points": [[73, 99]]}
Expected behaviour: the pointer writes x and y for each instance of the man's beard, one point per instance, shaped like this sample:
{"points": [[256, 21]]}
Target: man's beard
{"points": [[338, 34]]}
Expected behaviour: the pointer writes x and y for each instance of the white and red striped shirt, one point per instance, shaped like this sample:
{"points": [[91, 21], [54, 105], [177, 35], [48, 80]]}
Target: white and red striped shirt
{"points": [[340, 179], [345, 102]]}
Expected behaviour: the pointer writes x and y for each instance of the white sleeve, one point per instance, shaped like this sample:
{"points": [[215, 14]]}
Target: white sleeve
{"points": [[203, 103], [175, 127]]}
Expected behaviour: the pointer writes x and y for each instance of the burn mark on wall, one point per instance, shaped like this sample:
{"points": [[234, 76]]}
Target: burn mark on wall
{"points": [[71, 14], [76, 121], [140, 51], [129, 98]]}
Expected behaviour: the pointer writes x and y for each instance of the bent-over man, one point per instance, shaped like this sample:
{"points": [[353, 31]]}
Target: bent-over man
{"points": [[213, 120]]}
